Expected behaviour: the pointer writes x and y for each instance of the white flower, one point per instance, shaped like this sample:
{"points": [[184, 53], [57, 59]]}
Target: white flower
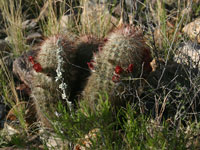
{"points": [[64, 96], [57, 114], [59, 71]]}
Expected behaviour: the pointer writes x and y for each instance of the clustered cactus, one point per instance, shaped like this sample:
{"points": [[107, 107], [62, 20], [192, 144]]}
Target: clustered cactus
{"points": [[123, 57], [60, 73], [64, 69]]}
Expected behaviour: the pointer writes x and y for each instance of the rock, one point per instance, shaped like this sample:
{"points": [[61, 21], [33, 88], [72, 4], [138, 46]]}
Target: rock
{"points": [[188, 54], [86, 142], [10, 130], [96, 18], [114, 7], [67, 22], [34, 38], [29, 24], [23, 68], [52, 141], [193, 30]]}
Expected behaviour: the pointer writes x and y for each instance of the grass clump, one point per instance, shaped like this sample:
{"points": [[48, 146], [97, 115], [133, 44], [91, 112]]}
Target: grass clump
{"points": [[13, 19], [127, 129]]}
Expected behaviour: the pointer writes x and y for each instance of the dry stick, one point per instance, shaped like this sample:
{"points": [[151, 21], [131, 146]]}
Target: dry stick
{"points": [[156, 106], [124, 14], [43, 10], [192, 102], [140, 102], [163, 106]]}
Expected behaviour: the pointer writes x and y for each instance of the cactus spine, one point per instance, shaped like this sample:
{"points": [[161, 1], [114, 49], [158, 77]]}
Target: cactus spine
{"points": [[124, 48]]}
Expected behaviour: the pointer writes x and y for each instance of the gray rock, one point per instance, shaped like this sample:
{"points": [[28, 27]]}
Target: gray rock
{"points": [[115, 7], [29, 24], [128, 2], [188, 54], [67, 22], [96, 18], [23, 68], [34, 38], [52, 141], [193, 29]]}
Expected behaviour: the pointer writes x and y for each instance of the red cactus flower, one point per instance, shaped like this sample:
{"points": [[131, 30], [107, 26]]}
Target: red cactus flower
{"points": [[31, 59], [105, 40], [90, 65], [118, 70], [130, 68], [37, 67], [115, 78]]}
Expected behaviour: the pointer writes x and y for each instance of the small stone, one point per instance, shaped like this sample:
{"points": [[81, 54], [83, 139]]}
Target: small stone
{"points": [[33, 36], [52, 141], [96, 18], [193, 30], [29, 24], [189, 54]]}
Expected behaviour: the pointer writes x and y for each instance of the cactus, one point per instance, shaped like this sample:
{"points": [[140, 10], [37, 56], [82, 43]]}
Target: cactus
{"points": [[45, 90], [47, 54], [123, 55]]}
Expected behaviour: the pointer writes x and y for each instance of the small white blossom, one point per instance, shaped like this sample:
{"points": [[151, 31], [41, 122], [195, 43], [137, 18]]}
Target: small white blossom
{"points": [[59, 71], [57, 114], [64, 96]]}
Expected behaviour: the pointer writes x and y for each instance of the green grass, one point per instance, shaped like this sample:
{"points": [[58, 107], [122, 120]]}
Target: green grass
{"points": [[127, 129], [164, 117]]}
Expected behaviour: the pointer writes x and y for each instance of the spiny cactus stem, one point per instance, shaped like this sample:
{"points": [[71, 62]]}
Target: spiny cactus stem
{"points": [[63, 86]]}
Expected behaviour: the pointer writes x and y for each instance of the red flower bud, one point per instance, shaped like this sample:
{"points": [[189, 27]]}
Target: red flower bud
{"points": [[118, 70], [37, 67], [130, 68], [115, 78], [31, 59], [90, 65], [105, 40]]}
